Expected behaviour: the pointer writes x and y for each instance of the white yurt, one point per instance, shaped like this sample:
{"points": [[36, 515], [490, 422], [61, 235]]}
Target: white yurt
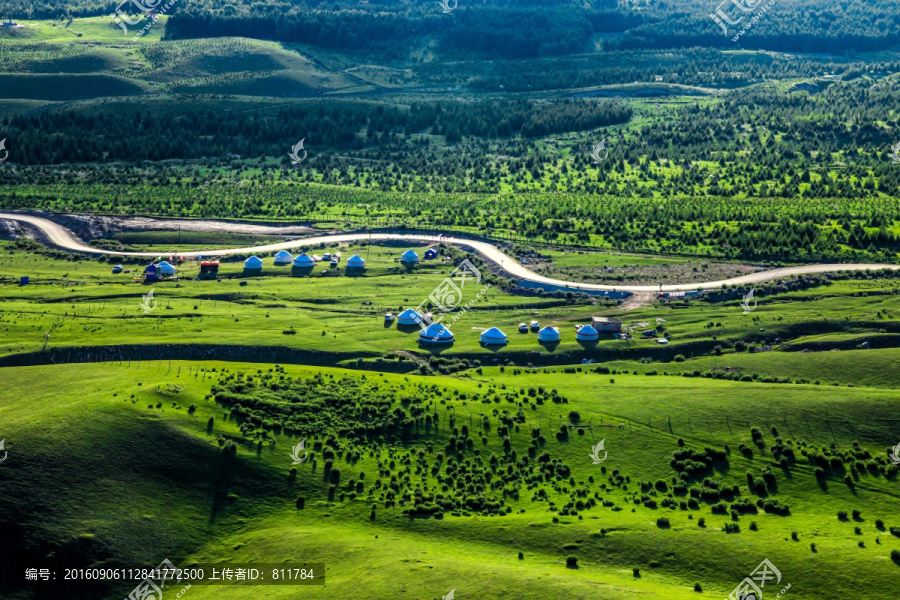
{"points": [[409, 317], [304, 261], [548, 335], [409, 257], [587, 334], [436, 334], [253, 264], [166, 270], [283, 258], [356, 262], [493, 337]]}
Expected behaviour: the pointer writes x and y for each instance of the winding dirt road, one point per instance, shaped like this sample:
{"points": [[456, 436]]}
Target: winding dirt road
{"points": [[63, 238]]}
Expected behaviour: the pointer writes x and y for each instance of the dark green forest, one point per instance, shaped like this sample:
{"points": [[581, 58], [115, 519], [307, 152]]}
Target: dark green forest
{"points": [[72, 136], [700, 67], [515, 29], [833, 142]]}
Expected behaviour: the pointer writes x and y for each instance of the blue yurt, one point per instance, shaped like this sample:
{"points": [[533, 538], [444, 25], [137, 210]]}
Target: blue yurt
{"points": [[587, 334], [409, 258], [548, 335], [304, 261], [166, 270], [355, 265], [283, 258], [493, 337], [253, 265], [356, 262], [436, 334], [409, 317]]}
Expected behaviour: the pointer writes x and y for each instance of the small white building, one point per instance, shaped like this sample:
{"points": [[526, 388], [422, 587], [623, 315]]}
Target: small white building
{"points": [[606, 324]]}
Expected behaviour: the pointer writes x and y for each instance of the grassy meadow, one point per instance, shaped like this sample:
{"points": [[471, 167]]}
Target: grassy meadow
{"points": [[137, 418], [147, 440], [668, 464]]}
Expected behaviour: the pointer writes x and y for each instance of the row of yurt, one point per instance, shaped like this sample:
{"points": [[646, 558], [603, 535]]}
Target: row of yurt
{"points": [[437, 333], [284, 258], [254, 264]]}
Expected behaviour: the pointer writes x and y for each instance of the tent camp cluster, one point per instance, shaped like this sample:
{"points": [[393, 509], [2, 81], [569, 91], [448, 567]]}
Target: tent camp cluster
{"points": [[437, 333], [302, 264]]}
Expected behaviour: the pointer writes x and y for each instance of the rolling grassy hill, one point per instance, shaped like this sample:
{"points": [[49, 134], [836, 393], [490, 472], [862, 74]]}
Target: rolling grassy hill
{"points": [[166, 458], [141, 472], [133, 436]]}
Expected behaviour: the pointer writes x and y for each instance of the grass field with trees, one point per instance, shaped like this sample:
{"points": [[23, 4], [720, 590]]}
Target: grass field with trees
{"points": [[621, 143]]}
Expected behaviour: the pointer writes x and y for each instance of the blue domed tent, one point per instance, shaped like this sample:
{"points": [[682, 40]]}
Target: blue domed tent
{"points": [[587, 334], [548, 335], [409, 317], [435, 334], [253, 265], [493, 337], [283, 258], [304, 261], [166, 270]]}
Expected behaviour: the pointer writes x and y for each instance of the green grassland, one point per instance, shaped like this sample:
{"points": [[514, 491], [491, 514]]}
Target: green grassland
{"points": [[92, 46], [83, 304], [135, 436], [136, 418]]}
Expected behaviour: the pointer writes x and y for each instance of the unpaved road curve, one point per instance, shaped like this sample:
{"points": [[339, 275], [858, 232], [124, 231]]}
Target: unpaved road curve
{"points": [[62, 237]]}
